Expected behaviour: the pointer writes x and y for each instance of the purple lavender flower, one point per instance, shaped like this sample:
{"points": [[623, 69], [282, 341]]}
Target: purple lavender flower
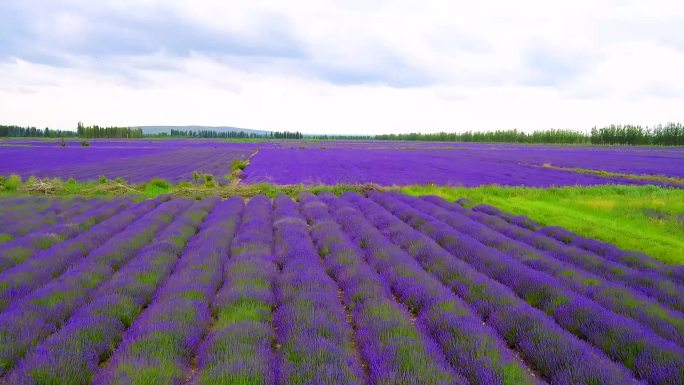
{"points": [[396, 351], [70, 224], [239, 347], [523, 327], [314, 337], [160, 344], [649, 356], [22, 279], [665, 322], [117, 303]]}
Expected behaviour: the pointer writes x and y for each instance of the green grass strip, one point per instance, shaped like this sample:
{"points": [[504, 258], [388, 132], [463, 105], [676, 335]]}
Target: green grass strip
{"points": [[640, 218]]}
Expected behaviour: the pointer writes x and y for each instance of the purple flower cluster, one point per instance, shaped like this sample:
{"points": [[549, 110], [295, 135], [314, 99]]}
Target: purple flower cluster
{"points": [[21, 221], [632, 259], [471, 165], [136, 161], [160, 344], [651, 357], [313, 335], [79, 218], [41, 312], [382, 289], [553, 353], [20, 280], [395, 351], [665, 322], [650, 283], [238, 350], [74, 353]]}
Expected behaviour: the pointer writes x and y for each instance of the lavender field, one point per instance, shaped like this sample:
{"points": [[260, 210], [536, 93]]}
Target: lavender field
{"points": [[380, 288], [135, 161], [311, 162]]}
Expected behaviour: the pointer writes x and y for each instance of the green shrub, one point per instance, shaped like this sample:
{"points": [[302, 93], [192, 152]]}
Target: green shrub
{"points": [[159, 182], [102, 179], [13, 182], [238, 164], [209, 180], [85, 143]]}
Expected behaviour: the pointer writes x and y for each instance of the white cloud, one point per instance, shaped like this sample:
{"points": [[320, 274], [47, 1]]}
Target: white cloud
{"points": [[342, 67]]}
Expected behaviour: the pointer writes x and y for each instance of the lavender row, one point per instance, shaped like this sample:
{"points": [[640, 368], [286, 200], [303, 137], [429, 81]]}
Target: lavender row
{"points": [[605, 250], [650, 283], [651, 357], [20, 280], [632, 259], [29, 320], [517, 220], [24, 222], [665, 322], [238, 350], [314, 338], [14, 215], [397, 352], [20, 249], [159, 346], [78, 350], [552, 352]]}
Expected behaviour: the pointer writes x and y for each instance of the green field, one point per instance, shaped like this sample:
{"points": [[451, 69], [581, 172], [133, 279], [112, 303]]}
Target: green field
{"points": [[641, 218]]}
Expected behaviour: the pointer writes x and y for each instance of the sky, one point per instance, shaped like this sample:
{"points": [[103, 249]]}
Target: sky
{"points": [[346, 67]]}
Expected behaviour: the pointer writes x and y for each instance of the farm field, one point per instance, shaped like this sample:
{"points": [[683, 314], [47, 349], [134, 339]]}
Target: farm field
{"points": [[357, 289], [312, 163], [135, 161]]}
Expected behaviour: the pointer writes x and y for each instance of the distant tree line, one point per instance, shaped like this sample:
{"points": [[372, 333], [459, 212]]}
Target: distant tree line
{"points": [[339, 137], [671, 134], [84, 131], [33, 132], [211, 134], [231, 134], [286, 135]]}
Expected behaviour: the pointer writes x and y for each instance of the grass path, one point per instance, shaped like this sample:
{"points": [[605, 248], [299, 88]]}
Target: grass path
{"points": [[643, 218]]}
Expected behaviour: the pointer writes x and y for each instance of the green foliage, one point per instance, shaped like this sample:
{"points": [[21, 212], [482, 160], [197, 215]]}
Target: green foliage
{"points": [[85, 143], [160, 183], [614, 214], [62, 142], [671, 134], [102, 179], [238, 164], [13, 182], [5, 238], [32, 132], [107, 132], [209, 180]]}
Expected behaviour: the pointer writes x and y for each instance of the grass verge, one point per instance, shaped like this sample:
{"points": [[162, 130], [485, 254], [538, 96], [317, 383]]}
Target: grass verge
{"points": [[673, 180], [649, 219], [156, 187]]}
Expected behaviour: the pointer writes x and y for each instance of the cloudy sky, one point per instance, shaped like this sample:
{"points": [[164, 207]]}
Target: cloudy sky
{"points": [[355, 66]]}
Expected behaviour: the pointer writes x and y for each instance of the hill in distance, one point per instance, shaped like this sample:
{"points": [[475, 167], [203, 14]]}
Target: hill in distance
{"points": [[153, 130]]}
